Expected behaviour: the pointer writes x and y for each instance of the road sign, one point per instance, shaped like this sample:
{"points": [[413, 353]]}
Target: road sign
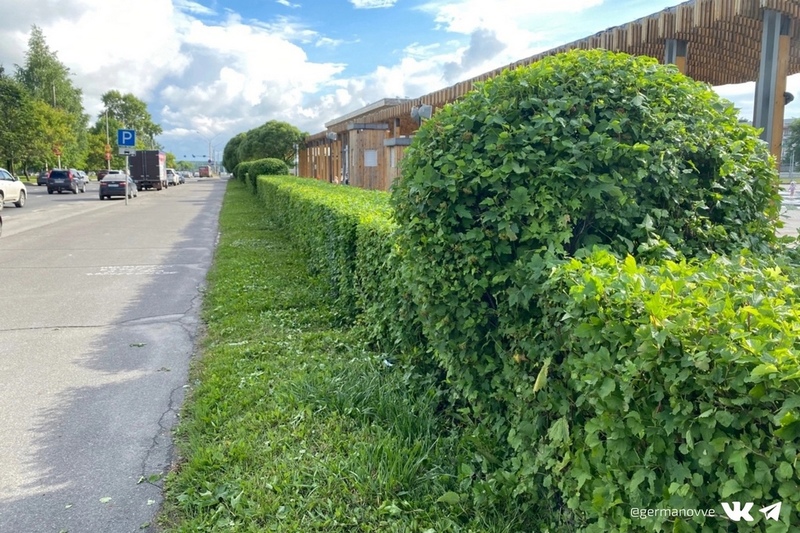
{"points": [[108, 156], [126, 137], [56, 150], [127, 150]]}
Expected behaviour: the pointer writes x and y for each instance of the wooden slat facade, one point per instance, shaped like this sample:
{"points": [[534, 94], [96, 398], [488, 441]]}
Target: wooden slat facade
{"points": [[723, 47]]}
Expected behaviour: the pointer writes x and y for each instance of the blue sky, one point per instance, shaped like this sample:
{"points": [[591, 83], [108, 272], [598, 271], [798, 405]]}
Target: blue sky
{"points": [[209, 69]]}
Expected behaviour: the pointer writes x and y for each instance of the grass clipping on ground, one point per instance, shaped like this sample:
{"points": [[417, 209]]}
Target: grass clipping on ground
{"points": [[291, 424]]}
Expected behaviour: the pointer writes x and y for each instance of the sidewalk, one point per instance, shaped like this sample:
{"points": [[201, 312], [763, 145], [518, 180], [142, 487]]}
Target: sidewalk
{"points": [[790, 214]]}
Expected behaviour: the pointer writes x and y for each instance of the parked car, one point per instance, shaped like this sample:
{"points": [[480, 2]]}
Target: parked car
{"points": [[181, 179], [103, 173], [172, 177], [62, 179], [41, 178], [11, 189], [114, 185]]}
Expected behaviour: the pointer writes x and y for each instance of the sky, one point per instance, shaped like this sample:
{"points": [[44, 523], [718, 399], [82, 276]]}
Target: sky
{"points": [[209, 69]]}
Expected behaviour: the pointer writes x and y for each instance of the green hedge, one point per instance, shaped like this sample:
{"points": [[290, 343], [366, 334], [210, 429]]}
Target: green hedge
{"points": [[529, 267], [241, 170], [344, 232], [249, 171], [663, 386], [624, 385]]}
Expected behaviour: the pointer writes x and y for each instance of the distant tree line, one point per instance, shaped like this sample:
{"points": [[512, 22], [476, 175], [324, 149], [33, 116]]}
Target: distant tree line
{"points": [[42, 117], [274, 139]]}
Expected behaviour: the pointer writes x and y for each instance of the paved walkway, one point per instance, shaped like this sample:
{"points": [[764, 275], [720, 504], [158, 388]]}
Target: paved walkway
{"points": [[791, 213]]}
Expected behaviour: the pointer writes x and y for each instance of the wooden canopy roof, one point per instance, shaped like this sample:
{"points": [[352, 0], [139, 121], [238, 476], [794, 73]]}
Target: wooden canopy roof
{"points": [[723, 47]]}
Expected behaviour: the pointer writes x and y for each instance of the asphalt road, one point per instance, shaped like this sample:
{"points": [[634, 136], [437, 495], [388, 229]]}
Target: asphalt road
{"points": [[98, 317]]}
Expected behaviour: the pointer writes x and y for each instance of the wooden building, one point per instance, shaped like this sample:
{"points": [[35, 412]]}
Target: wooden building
{"points": [[719, 42]]}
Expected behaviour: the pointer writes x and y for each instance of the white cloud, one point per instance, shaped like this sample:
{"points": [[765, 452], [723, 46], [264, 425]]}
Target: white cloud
{"points": [[372, 4], [327, 41], [287, 3], [193, 7]]}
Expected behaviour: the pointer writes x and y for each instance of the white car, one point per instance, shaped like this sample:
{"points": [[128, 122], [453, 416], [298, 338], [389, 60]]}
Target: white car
{"points": [[172, 177], [11, 189]]}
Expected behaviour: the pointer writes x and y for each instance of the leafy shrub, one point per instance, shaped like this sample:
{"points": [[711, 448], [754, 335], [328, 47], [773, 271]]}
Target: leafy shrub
{"points": [[262, 167], [654, 386], [242, 171], [579, 150], [269, 167]]}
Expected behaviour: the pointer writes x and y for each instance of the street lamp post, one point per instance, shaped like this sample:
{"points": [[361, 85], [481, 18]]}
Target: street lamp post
{"points": [[208, 140]]}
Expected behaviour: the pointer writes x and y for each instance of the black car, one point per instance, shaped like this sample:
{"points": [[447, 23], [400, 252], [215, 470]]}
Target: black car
{"points": [[41, 178], [63, 179], [114, 185]]}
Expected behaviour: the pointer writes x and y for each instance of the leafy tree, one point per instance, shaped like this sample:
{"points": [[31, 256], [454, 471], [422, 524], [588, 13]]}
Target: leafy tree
{"points": [[96, 152], [131, 113], [792, 144], [95, 159], [274, 139], [50, 128], [170, 160], [16, 121], [47, 79], [230, 154]]}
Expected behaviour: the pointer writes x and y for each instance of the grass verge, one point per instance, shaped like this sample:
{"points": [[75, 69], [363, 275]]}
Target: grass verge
{"points": [[293, 425]]}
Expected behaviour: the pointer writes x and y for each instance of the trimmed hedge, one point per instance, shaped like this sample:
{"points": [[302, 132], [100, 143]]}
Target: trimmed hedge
{"points": [[555, 252], [251, 170], [344, 232], [652, 386], [241, 170], [671, 385]]}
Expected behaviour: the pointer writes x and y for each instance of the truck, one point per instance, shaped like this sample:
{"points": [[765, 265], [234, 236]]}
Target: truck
{"points": [[149, 169], [204, 171]]}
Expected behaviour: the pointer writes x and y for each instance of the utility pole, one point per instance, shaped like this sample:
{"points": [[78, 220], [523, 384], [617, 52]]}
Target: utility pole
{"points": [[108, 145]]}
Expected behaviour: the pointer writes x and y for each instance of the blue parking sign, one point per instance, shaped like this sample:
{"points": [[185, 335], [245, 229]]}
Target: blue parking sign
{"points": [[126, 137]]}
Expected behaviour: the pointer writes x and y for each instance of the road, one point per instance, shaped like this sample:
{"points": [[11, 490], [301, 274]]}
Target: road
{"points": [[98, 318]]}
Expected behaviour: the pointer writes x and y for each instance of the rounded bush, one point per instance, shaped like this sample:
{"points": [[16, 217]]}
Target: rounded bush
{"points": [[249, 171], [580, 149], [269, 166], [590, 147]]}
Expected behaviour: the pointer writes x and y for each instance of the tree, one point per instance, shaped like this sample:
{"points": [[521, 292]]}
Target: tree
{"points": [[96, 159], [791, 147], [51, 128], [170, 160], [230, 154], [16, 121], [131, 113], [273, 139], [46, 79], [103, 130]]}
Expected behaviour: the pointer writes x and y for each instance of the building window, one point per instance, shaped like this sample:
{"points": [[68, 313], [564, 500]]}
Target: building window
{"points": [[370, 158]]}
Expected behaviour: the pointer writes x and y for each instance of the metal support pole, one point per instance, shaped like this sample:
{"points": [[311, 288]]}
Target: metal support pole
{"points": [[127, 174], [771, 83]]}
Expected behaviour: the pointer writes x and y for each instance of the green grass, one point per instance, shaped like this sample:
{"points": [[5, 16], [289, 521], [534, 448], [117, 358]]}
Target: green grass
{"points": [[293, 425]]}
